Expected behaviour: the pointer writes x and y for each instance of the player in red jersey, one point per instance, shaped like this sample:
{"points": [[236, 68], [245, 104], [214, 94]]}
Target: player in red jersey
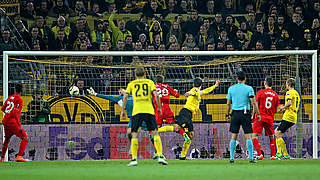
{"points": [[164, 91], [268, 102], [12, 125]]}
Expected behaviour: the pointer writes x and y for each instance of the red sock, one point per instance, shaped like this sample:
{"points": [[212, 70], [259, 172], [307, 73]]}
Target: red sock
{"points": [[4, 148], [23, 146], [256, 145], [181, 131], [273, 147]]}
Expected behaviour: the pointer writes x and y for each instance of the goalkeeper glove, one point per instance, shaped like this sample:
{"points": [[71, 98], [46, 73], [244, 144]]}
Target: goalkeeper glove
{"points": [[92, 92]]}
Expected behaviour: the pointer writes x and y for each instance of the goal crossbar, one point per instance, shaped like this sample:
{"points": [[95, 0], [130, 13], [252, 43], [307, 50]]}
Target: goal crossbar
{"points": [[6, 55]]}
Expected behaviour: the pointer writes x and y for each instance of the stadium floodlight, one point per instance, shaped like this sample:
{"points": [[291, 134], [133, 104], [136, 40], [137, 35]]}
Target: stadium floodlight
{"points": [[7, 54]]}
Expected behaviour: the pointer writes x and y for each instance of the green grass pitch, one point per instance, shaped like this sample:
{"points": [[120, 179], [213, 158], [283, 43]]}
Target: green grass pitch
{"points": [[177, 170]]}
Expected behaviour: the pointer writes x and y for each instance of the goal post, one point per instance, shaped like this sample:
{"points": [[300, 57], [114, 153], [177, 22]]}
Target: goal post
{"points": [[7, 54]]}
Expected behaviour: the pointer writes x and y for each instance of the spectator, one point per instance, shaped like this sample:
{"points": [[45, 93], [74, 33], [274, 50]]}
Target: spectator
{"points": [[189, 42], [81, 86], [29, 12], [230, 27], [78, 9], [100, 34], [229, 46], [240, 40], [284, 41], [128, 44], [155, 28], [217, 24], [203, 38], [138, 46], [95, 10], [174, 47], [246, 32], [280, 25], [220, 46], [150, 47], [120, 32], [184, 7], [172, 39], [223, 36], [271, 27], [260, 35], [61, 25], [175, 30], [252, 23], [307, 43], [43, 10], [138, 27], [297, 27], [38, 109], [315, 13], [192, 26], [36, 38], [60, 9], [173, 7], [61, 43], [157, 41], [210, 8], [152, 9], [162, 47], [106, 79], [259, 46], [77, 28], [6, 44], [44, 31], [22, 30], [82, 37], [315, 29], [289, 11], [144, 41], [227, 9]]}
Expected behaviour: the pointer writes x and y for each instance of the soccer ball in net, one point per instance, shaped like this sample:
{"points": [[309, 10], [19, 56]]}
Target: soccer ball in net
{"points": [[74, 91]]}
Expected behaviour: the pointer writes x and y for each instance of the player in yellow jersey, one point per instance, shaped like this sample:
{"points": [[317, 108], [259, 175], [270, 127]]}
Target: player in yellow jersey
{"points": [[184, 120], [142, 90], [290, 109]]}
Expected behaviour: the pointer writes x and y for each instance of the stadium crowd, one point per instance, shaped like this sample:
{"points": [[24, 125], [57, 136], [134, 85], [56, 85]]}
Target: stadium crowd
{"points": [[205, 25]]}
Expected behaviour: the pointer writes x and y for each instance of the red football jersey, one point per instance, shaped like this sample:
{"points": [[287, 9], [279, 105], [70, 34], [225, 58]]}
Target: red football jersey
{"points": [[12, 109], [268, 101], [164, 91]]}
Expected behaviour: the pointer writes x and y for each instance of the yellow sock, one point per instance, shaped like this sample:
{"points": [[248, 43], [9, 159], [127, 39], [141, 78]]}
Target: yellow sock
{"points": [[185, 149], [166, 129], [134, 147], [278, 145], [283, 146], [157, 144]]}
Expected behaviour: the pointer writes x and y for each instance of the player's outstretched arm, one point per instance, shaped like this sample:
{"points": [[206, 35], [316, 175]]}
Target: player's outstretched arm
{"points": [[110, 98], [288, 104], [125, 100], [208, 90]]}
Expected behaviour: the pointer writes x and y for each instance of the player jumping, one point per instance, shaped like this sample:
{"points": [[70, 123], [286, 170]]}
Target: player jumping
{"points": [[164, 91], [289, 118], [12, 125], [268, 102], [184, 120]]}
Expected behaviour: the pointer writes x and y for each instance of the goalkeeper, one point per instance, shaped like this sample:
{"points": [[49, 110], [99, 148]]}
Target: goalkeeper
{"points": [[118, 100]]}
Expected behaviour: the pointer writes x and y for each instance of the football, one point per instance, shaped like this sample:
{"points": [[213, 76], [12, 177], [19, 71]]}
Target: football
{"points": [[74, 91]]}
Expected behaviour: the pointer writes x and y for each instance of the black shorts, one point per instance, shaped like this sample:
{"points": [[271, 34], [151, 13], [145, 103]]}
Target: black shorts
{"points": [[238, 118], [184, 120], [149, 119], [284, 126]]}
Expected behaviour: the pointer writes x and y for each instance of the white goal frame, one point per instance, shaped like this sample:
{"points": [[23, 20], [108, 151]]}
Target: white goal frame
{"points": [[6, 55]]}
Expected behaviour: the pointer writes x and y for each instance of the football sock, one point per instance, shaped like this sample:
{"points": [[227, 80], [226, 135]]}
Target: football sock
{"points": [[283, 146], [157, 144], [273, 147], [4, 148], [250, 148], [181, 131], [279, 142], [232, 148], [257, 145], [134, 147], [166, 129], [185, 148], [23, 146]]}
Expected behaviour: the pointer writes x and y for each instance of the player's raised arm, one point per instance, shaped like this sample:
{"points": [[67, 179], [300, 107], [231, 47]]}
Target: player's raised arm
{"points": [[209, 89], [173, 92]]}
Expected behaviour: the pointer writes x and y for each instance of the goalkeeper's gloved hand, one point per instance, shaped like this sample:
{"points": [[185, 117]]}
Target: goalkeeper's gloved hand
{"points": [[92, 92]]}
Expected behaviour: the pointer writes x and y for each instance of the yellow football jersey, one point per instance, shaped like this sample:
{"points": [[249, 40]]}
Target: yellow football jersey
{"points": [[291, 112], [141, 90], [193, 101]]}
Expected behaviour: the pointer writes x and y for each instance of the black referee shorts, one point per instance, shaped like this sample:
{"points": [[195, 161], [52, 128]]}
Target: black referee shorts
{"points": [[150, 120], [238, 118], [184, 120], [284, 126]]}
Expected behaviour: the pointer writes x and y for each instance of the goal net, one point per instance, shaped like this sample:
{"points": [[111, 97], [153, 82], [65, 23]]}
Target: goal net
{"points": [[65, 127]]}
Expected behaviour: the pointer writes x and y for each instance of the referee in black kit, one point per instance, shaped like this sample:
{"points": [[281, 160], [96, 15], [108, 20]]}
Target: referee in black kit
{"points": [[240, 95]]}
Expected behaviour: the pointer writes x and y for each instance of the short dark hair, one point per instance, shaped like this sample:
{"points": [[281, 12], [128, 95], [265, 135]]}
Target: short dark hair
{"points": [[139, 71], [159, 79], [268, 80], [18, 87], [197, 82], [241, 75], [291, 82]]}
